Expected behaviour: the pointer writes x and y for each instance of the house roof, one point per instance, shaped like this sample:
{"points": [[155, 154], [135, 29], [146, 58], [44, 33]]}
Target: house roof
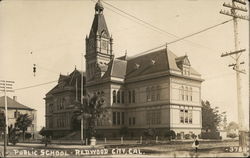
{"points": [[158, 61], [12, 104]]}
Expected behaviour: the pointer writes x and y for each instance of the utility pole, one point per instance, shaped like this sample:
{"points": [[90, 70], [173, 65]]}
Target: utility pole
{"points": [[234, 7], [6, 86], [82, 97]]}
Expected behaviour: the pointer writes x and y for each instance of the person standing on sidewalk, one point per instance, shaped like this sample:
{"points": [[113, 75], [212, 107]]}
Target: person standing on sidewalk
{"points": [[195, 144]]}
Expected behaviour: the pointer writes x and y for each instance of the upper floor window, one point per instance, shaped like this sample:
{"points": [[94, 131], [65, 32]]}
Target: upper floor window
{"points": [[114, 96], [153, 93], [123, 97], [50, 108], [148, 94], [186, 94], [186, 115], [16, 114], [181, 93], [129, 97], [133, 96], [191, 94], [181, 116], [158, 93], [118, 97]]}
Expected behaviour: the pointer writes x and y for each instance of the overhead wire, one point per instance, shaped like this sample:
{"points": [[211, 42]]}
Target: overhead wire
{"points": [[153, 27], [182, 38]]}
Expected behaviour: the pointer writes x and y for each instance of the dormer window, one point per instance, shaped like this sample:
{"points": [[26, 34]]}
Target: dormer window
{"points": [[152, 62], [186, 70], [136, 66], [183, 64]]}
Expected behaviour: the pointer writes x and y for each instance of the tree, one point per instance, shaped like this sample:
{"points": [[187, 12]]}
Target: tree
{"points": [[91, 110], [23, 122], [170, 134], [44, 132], [232, 127], [211, 117], [13, 134]]}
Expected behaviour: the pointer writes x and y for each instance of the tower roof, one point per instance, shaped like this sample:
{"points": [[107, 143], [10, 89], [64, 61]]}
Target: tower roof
{"points": [[99, 26]]}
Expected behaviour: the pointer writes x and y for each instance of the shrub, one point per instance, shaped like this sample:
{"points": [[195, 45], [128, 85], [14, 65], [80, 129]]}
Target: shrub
{"points": [[178, 136], [232, 135], [150, 132], [170, 134], [187, 136], [193, 136], [210, 135], [28, 135]]}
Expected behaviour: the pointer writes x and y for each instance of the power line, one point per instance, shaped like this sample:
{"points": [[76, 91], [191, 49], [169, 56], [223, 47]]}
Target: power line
{"points": [[37, 85], [152, 27], [130, 19], [144, 22], [182, 38], [203, 30]]}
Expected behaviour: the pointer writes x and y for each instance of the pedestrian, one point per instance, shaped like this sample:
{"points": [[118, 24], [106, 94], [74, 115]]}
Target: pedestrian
{"points": [[195, 144]]}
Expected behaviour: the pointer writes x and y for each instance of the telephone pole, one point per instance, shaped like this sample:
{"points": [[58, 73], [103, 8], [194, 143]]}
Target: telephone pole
{"points": [[82, 121], [6, 86], [234, 8]]}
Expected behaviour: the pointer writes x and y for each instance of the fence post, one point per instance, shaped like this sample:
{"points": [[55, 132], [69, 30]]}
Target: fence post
{"points": [[105, 140], [121, 140], [156, 139], [140, 139], [86, 141]]}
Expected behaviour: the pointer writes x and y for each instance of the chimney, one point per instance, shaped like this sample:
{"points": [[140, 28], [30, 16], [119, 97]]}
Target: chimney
{"points": [[15, 98]]}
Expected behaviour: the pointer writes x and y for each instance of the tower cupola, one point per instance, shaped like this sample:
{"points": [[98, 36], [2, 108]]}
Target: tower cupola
{"points": [[99, 7]]}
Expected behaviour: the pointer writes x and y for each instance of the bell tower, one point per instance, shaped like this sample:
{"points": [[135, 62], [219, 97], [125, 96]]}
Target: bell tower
{"points": [[98, 46]]}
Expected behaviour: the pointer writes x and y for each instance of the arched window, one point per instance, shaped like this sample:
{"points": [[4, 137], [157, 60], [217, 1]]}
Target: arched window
{"points": [[114, 96], [118, 97]]}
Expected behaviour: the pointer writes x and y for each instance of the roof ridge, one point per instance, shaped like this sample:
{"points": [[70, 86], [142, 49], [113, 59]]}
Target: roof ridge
{"points": [[140, 55], [14, 104]]}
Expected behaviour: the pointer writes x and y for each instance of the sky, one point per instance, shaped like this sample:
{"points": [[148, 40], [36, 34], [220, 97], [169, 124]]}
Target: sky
{"points": [[55, 30]]}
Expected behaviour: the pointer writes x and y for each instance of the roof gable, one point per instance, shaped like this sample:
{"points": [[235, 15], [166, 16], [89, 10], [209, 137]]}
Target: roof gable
{"points": [[69, 80]]}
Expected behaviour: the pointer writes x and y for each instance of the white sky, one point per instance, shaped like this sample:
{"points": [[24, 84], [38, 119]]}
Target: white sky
{"points": [[55, 31]]}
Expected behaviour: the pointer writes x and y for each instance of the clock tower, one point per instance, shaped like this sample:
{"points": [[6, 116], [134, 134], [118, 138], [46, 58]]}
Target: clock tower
{"points": [[98, 46]]}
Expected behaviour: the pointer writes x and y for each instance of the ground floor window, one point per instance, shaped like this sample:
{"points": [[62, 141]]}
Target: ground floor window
{"points": [[153, 117], [118, 118], [132, 121]]}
